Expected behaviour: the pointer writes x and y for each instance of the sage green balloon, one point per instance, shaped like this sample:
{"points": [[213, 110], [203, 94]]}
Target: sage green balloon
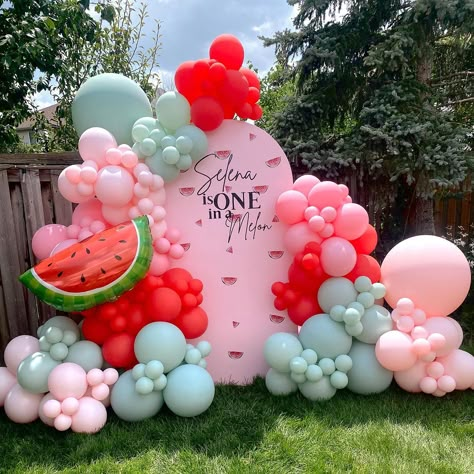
{"points": [[367, 375], [129, 405], [375, 321], [279, 384], [110, 101], [87, 354], [318, 391], [199, 139], [61, 322], [158, 166], [33, 372]]}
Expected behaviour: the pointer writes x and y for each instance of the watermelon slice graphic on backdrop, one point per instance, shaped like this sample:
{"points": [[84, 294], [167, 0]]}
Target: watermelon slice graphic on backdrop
{"points": [[94, 271]]}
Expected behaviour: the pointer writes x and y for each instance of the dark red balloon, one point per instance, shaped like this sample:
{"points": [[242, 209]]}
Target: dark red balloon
{"points": [[163, 304], [365, 266], [95, 330], [244, 111], [305, 307], [217, 73], [228, 50], [235, 88], [251, 77], [367, 242], [193, 323], [206, 113], [257, 112], [253, 95], [118, 350], [136, 319]]}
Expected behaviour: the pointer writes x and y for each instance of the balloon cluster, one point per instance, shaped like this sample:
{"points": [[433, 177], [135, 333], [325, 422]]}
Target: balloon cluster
{"points": [[174, 297], [219, 88], [329, 236]]}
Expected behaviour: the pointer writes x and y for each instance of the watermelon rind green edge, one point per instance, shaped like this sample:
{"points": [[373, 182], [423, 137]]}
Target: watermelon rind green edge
{"points": [[81, 301]]}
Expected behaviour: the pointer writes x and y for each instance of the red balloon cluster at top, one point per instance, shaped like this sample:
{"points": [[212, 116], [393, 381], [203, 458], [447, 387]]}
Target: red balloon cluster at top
{"points": [[219, 87], [174, 297]]}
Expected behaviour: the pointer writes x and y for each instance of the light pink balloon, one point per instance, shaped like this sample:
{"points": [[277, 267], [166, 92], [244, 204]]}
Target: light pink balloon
{"points": [[114, 186], [304, 184], [69, 190], [100, 392], [7, 380], [45, 419], [91, 416], [62, 422], [410, 379], [73, 231], [46, 238], [63, 245], [22, 406], [105, 402], [448, 329], [351, 221], [17, 349], [429, 270], [159, 264], [338, 256], [394, 351], [446, 383], [459, 365], [52, 408], [110, 376], [325, 194], [297, 236], [158, 229], [67, 380], [290, 207], [158, 197], [428, 385], [116, 215], [91, 208], [94, 143]]}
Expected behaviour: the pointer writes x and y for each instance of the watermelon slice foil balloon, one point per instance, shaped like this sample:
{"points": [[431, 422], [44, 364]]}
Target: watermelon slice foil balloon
{"points": [[94, 271]]}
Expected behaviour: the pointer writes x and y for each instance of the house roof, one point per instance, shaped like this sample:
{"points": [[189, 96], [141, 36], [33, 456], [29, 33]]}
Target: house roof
{"points": [[49, 112]]}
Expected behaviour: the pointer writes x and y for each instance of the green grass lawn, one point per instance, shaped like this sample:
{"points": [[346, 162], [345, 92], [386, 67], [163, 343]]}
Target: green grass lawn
{"points": [[248, 430]]}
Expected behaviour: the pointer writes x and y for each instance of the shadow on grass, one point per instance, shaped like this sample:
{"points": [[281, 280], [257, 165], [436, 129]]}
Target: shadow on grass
{"points": [[236, 424]]}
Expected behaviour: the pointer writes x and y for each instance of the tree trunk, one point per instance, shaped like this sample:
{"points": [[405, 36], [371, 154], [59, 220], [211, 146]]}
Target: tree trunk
{"points": [[424, 216]]}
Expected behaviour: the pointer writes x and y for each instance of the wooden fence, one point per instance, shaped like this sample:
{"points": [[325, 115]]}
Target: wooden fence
{"points": [[30, 198]]}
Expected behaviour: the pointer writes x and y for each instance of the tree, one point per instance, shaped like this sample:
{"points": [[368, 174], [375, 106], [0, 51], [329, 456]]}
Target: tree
{"points": [[365, 99]]}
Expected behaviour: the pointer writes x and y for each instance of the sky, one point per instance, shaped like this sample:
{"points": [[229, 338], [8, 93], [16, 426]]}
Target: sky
{"points": [[189, 26]]}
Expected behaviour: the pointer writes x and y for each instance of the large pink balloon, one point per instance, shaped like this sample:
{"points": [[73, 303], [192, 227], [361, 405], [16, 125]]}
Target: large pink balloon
{"points": [[304, 184], [18, 349], [410, 379], [22, 406], [446, 327], [46, 238], [67, 380], [114, 186], [290, 207], [116, 215], [94, 143], [91, 416], [429, 270], [394, 351], [325, 194], [69, 190], [297, 236], [459, 365], [351, 222], [338, 256], [91, 209], [7, 380]]}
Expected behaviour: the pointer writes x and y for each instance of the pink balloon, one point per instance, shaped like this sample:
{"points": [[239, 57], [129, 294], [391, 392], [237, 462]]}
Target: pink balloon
{"points": [[17, 349], [446, 383], [91, 416], [69, 190], [110, 376], [158, 197], [22, 406], [338, 256], [158, 229], [67, 380], [297, 236], [95, 377], [91, 209], [7, 380], [94, 143], [100, 392], [325, 194], [62, 422], [70, 406], [52, 408], [394, 351], [410, 379], [447, 328], [46, 238], [290, 207], [351, 222], [159, 264], [114, 186], [63, 245], [304, 184], [429, 270], [105, 402], [459, 365], [116, 215], [45, 419]]}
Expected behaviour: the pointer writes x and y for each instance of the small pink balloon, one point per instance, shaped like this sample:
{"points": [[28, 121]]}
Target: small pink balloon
{"points": [[437, 342], [90, 163], [446, 383], [124, 147], [439, 393], [304, 184], [421, 347], [327, 231], [92, 209], [157, 183], [159, 229], [100, 392], [428, 385], [139, 168], [134, 212], [85, 189], [88, 174], [84, 234], [338, 256], [52, 408], [419, 332], [158, 197], [409, 379], [419, 316], [162, 245], [395, 315], [116, 215], [448, 335], [86, 221], [345, 190], [151, 221], [145, 206], [91, 416], [435, 370], [110, 376], [405, 306], [95, 377], [114, 186], [7, 380], [45, 419], [17, 349], [394, 351], [94, 143], [310, 212], [297, 236], [46, 238], [97, 226], [429, 357], [158, 213], [159, 264], [140, 191], [328, 214], [67, 380], [290, 207], [73, 231], [113, 156], [69, 406], [347, 200], [73, 174], [459, 365], [351, 222], [62, 422], [145, 179], [176, 251], [129, 159], [316, 224], [405, 324], [324, 194], [63, 245], [22, 406], [173, 235], [69, 190]]}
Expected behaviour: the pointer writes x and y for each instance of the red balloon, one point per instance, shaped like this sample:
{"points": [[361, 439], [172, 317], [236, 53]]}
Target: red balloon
{"points": [[193, 323], [217, 73], [183, 78], [304, 308], [367, 242], [365, 266], [163, 304], [118, 324], [253, 95], [95, 330], [244, 111], [195, 286], [251, 77], [235, 88], [306, 282], [136, 319], [257, 112], [118, 350], [107, 311], [176, 274], [206, 113], [228, 50], [201, 70]]}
